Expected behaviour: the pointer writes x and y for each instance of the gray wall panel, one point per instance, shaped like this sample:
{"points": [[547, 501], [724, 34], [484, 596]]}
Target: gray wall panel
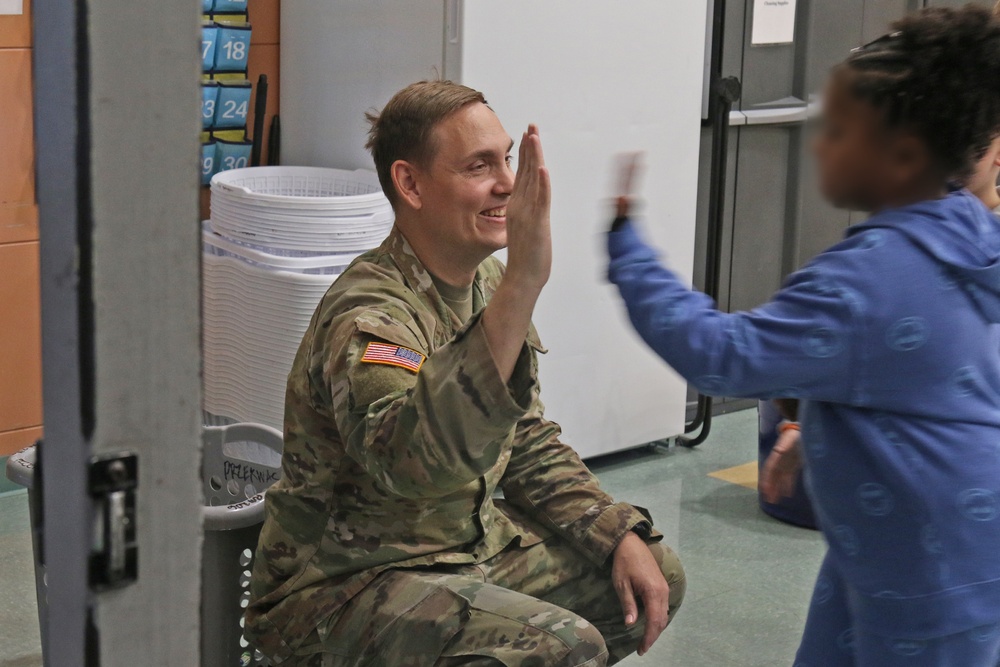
{"points": [[817, 225], [879, 14], [768, 73], [759, 225], [831, 30], [959, 3]]}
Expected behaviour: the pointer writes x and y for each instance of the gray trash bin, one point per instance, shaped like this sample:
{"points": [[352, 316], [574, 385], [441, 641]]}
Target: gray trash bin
{"points": [[239, 462]]}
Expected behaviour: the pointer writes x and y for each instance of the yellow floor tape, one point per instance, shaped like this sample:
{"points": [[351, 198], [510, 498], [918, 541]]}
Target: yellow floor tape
{"points": [[743, 475]]}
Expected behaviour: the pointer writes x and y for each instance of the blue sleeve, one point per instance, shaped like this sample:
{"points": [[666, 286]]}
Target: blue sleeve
{"points": [[802, 344]]}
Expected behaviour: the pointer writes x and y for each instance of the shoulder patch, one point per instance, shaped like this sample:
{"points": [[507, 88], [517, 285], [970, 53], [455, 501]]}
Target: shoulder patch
{"points": [[393, 355]]}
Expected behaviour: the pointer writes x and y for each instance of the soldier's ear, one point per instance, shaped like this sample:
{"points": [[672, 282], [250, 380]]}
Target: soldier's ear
{"points": [[405, 177]]}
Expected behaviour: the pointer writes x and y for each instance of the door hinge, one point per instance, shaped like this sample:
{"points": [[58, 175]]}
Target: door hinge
{"points": [[114, 557]]}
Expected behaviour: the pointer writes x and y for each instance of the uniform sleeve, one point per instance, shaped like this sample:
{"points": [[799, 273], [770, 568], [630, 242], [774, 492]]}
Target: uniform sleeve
{"points": [[803, 343], [424, 433], [547, 479]]}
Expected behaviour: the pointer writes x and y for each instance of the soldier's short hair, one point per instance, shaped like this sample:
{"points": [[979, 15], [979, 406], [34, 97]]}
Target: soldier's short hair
{"points": [[403, 129]]}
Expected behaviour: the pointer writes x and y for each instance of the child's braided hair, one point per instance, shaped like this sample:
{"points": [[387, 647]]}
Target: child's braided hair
{"points": [[937, 75]]}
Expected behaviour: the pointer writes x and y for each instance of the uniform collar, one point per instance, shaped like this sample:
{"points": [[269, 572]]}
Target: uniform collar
{"points": [[418, 279]]}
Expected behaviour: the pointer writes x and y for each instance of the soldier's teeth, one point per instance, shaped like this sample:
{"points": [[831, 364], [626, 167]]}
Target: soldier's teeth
{"points": [[496, 213]]}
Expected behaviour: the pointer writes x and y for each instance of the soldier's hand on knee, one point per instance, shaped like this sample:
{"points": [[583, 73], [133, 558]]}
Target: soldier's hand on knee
{"points": [[637, 577]]}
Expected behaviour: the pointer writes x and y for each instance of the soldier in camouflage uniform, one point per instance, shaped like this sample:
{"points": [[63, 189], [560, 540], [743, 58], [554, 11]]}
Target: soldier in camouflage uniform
{"points": [[413, 398]]}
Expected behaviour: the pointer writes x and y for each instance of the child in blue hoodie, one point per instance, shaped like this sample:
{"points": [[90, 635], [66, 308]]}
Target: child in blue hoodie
{"points": [[889, 339]]}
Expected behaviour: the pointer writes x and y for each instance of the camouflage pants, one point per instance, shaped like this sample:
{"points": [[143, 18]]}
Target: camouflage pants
{"points": [[537, 606]]}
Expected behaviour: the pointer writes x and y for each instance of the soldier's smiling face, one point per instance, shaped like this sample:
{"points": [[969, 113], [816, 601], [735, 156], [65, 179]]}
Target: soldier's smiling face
{"points": [[468, 181]]}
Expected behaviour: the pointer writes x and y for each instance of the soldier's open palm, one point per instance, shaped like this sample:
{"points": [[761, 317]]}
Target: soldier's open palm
{"points": [[529, 238]]}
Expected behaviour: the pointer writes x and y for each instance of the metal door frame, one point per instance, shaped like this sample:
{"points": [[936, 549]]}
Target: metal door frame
{"points": [[102, 72]]}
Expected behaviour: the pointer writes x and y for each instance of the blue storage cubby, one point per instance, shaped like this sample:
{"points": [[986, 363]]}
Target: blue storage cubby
{"points": [[226, 94], [233, 104], [232, 48], [230, 5], [229, 18], [209, 103], [208, 161], [209, 41], [232, 154]]}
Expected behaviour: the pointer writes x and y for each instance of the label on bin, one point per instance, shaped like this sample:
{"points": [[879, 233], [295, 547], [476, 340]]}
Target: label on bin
{"points": [[244, 472], [246, 503]]}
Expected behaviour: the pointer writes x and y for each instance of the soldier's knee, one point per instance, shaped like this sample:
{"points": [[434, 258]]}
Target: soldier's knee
{"points": [[673, 572], [585, 646], [565, 639]]}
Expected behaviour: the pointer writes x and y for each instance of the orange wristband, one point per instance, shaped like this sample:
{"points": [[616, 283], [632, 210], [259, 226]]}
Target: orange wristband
{"points": [[784, 427]]}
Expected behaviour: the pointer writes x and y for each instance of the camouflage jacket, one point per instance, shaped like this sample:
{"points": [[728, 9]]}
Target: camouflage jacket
{"points": [[387, 467]]}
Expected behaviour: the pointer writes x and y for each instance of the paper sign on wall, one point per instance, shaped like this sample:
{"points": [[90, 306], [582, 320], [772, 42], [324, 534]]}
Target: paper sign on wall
{"points": [[773, 22], [11, 6]]}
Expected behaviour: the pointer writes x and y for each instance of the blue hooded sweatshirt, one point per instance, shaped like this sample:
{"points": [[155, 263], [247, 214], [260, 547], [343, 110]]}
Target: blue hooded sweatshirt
{"points": [[889, 338]]}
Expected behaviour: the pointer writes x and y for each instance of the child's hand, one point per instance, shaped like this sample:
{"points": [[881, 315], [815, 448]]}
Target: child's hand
{"points": [[781, 470], [629, 165]]}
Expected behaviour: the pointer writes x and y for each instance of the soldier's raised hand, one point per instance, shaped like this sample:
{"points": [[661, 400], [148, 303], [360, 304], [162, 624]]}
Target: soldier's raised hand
{"points": [[529, 237], [507, 318]]}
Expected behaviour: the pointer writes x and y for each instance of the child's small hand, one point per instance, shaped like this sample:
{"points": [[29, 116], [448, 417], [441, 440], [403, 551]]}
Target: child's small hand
{"points": [[781, 470], [629, 165]]}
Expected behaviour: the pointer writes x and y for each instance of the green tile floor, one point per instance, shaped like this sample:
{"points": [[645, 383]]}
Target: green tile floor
{"points": [[749, 577], [19, 640]]}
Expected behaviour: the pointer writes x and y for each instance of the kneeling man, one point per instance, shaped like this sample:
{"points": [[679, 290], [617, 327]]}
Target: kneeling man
{"points": [[413, 398]]}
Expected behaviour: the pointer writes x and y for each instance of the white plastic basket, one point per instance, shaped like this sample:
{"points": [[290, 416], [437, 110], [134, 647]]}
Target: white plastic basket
{"points": [[256, 308], [307, 187], [302, 209], [309, 262], [278, 237]]}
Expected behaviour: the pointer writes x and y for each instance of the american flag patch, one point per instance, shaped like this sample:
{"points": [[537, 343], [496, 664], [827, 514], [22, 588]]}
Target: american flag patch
{"points": [[393, 355]]}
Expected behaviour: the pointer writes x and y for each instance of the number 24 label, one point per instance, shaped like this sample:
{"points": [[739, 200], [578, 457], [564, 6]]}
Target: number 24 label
{"points": [[231, 110]]}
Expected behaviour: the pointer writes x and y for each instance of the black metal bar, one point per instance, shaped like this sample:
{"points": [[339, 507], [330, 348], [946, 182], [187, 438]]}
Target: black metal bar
{"points": [[724, 92], [259, 111], [274, 142], [704, 404]]}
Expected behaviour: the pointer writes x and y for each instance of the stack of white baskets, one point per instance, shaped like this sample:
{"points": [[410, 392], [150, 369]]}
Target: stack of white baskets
{"points": [[277, 239]]}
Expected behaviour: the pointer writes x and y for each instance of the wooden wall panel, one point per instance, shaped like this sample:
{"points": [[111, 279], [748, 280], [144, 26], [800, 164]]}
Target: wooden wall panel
{"points": [[20, 300], [20, 340], [14, 441], [15, 29], [265, 18], [18, 214]]}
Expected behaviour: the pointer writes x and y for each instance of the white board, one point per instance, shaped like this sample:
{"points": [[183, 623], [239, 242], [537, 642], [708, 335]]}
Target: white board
{"points": [[600, 78]]}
